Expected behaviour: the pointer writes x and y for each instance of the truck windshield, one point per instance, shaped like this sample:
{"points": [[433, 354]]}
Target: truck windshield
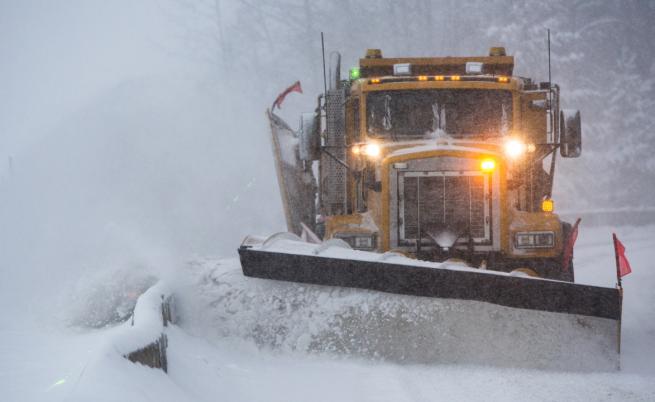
{"points": [[424, 113]]}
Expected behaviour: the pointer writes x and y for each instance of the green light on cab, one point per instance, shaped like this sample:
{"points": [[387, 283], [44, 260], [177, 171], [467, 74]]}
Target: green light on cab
{"points": [[354, 73]]}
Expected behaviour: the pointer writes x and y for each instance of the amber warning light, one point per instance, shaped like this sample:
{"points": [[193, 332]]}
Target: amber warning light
{"points": [[488, 165]]}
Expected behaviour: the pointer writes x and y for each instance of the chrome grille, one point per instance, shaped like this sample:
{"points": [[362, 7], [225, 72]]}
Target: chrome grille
{"points": [[442, 199]]}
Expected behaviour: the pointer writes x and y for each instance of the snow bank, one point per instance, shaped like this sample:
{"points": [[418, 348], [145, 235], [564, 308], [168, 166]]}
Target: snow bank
{"points": [[292, 317], [85, 365]]}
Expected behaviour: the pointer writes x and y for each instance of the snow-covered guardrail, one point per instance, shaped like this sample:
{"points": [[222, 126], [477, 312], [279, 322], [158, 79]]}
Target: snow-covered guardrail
{"points": [[144, 340]]}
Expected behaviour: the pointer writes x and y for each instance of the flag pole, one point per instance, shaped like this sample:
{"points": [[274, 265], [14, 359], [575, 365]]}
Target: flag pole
{"points": [[620, 289]]}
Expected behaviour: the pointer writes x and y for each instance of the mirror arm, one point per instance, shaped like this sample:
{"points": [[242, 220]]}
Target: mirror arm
{"points": [[339, 161], [552, 172]]}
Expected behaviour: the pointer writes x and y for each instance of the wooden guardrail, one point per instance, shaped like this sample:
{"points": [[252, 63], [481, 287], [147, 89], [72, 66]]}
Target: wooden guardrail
{"points": [[149, 320]]}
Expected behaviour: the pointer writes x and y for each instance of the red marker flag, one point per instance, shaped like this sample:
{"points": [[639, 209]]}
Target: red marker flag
{"points": [[622, 264], [280, 98]]}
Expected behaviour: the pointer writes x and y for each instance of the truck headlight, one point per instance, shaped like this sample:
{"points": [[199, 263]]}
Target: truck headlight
{"points": [[514, 148], [534, 240], [371, 150]]}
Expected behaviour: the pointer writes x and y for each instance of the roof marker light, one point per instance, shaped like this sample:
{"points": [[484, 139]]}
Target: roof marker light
{"points": [[354, 73], [473, 67], [455, 78], [374, 81], [402, 69], [503, 80], [422, 77], [439, 78]]}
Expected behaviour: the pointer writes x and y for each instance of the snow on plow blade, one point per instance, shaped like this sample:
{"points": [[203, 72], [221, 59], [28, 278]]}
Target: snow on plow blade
{"points": [[421, 312]]}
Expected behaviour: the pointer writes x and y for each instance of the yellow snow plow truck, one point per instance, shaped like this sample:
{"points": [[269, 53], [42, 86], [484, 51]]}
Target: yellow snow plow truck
{"points": [[431, 178]]}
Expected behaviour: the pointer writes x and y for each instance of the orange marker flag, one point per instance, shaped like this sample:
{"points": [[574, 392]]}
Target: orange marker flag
{"points": [[295, 87], [622, 264]]}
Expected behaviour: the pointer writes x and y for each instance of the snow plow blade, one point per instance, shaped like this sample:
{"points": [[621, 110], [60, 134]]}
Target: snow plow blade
{"points": [[430, 312]]}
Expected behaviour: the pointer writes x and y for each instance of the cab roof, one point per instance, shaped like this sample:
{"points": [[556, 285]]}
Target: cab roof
{"points": [[374, 65]]}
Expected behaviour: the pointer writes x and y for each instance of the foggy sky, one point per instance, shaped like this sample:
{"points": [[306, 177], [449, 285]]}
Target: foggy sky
{"points": [[137, 135]]}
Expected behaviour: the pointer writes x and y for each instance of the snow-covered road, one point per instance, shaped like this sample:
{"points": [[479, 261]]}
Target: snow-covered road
{"points": [[45, 362]]}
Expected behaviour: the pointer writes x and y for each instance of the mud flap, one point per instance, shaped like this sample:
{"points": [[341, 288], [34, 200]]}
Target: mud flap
{"points": [[296, 180]]}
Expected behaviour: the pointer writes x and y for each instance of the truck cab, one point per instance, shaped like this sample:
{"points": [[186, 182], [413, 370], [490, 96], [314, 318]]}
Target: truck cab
{"points": [[440, 158]]}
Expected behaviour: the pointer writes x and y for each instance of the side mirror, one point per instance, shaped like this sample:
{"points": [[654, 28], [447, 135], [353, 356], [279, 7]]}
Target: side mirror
{"points": [[310, 139], [570, 134]]}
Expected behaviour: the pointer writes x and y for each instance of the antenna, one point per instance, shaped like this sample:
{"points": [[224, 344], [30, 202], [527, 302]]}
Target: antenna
{"points": [[554, 129], [324, 83], [549, 75], [324, 77], [550, 89]]}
